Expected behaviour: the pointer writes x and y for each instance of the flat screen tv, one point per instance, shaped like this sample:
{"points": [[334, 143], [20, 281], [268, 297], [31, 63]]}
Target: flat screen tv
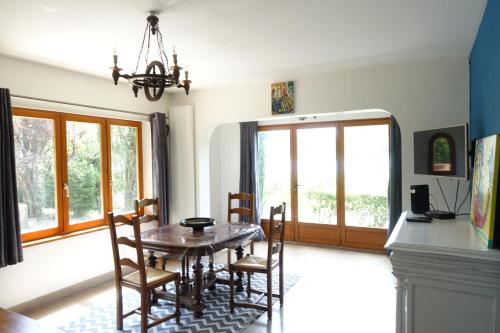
{"points": [[442, 152]]}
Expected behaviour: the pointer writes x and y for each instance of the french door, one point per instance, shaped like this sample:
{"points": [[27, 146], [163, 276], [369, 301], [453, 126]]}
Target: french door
{"points": [[333, 177]]}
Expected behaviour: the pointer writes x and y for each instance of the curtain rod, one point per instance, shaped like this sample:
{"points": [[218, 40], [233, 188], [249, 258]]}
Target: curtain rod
{"points": [[80, 105]]}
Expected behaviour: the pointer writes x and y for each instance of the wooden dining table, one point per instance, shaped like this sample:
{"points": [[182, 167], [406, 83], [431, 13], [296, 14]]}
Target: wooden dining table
{"points": [[11, 322], [184, 243]]}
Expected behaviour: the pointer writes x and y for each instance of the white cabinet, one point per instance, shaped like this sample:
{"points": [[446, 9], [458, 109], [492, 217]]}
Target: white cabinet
{"points": [[447, 279]]}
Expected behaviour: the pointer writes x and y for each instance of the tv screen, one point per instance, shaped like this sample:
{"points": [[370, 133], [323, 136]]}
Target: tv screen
{"points": [[442, 152]]}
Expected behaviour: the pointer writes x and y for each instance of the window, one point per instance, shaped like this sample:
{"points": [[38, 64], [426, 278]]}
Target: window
{"points": [[62, 163], [125, 166]]}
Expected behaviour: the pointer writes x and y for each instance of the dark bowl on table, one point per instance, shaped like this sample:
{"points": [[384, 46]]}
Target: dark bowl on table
{"points": [[198, 223]]}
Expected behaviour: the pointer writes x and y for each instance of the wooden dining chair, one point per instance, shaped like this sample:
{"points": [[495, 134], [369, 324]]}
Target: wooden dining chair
{"points": [[245, 214], [143, 279], [246, 211], [155, 215], [253, 264], [140, 207]]}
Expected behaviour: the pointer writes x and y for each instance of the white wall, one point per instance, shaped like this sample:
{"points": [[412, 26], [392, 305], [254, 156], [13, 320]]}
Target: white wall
{"points": [[421, 95], [224, 167], [53, 266]]}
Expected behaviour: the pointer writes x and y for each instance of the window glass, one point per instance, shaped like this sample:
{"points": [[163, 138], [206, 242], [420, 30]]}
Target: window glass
{"points": [[35, 173], [84, 187], [123, 168], [366, 175], [317, 175], [274, 171]]}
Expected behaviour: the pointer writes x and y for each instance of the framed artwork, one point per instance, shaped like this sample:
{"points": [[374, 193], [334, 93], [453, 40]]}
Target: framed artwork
{"points": [[485, 186], [283, 97]]}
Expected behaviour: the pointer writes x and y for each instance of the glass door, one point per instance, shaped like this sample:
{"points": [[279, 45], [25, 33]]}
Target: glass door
{"points": [[83, 171], [334, 178], [316, 184], [366, 181], [274, 163]]}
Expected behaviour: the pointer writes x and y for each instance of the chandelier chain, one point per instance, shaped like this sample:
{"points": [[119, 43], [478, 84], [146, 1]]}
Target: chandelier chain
{"points": [[149, 44], [142, 47], [161, 49]]}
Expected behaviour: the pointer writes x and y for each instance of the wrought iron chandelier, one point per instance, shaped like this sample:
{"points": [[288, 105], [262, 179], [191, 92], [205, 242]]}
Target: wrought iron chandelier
{"points": [[158, 75]]}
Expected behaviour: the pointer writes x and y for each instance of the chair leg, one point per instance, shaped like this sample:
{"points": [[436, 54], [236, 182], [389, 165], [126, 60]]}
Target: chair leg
{"points": [[249, 293], [144, 310], [119, 308], [231, 290], [150, 302], [229, 256], [163, 266], [282, 293], [269, 295], [252, 247], [177, 301]]}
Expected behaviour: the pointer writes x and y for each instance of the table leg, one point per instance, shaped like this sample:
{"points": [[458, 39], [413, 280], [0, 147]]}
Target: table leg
{"points": [[184, 277], [211, 274], [152, 263], [152, 259], [198, 281], [239, 283]]}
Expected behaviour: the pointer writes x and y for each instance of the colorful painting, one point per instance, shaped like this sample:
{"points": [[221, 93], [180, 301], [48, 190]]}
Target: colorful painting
{"points": [[283, 97], [484, 187]]}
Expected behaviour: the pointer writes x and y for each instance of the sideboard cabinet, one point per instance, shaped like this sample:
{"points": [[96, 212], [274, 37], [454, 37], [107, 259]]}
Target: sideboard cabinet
{"points": [[448, 281]]}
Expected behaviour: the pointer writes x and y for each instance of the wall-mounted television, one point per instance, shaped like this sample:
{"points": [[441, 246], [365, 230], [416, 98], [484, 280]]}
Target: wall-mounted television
{"points": [[442, 152]]}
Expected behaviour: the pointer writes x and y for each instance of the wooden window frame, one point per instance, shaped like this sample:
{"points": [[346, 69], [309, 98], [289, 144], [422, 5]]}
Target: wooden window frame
{"points": [[60, 119]]}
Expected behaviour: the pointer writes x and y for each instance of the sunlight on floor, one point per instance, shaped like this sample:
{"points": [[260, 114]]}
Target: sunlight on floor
{"points": [[339, 290]]}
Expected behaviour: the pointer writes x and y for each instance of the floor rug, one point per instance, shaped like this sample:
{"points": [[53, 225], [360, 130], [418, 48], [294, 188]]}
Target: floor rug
{"points": [[216, 318]]}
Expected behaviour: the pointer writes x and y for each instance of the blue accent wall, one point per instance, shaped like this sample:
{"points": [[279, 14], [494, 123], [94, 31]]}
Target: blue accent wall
{"points": [[485, 75]]}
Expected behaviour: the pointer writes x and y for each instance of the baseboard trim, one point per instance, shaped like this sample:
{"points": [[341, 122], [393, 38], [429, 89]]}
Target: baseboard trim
{"points": [[62, 293]]}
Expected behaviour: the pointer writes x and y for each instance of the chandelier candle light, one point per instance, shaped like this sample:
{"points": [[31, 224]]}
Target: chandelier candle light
{"points": [[158, 74]]}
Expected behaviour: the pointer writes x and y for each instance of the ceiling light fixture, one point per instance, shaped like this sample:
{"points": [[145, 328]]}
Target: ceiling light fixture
{"points": [[158, 75]]}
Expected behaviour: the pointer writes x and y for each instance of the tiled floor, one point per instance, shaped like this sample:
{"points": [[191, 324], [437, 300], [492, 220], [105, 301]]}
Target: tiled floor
{"points": [[339, 290]]}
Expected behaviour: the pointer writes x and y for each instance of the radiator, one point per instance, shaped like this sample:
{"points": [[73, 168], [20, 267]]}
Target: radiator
{"points": [[182, 173]]}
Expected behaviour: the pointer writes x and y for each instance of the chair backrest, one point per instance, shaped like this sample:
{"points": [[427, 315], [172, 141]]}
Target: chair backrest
{"points": [[246, 207], [138, 263], [144, 218], [276, 228]]}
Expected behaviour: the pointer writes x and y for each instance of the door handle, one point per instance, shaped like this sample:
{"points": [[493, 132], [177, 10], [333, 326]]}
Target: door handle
{"points": [[66, 189]]}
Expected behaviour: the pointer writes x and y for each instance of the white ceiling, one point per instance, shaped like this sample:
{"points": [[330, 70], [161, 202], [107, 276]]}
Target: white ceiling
{"points": [[232, 41]]}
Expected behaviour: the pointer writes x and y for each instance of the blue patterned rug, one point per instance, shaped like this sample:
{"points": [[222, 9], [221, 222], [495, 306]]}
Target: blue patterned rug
{"points": [[216, 317]]}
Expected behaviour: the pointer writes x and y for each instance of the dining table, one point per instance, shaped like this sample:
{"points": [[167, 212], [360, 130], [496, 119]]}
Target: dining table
{"points": [[188, 245]]}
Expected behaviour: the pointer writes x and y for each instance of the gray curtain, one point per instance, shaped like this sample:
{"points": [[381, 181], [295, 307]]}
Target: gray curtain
{"points": [[249, 182], [160, 155], [11, 251], [395, 178]]}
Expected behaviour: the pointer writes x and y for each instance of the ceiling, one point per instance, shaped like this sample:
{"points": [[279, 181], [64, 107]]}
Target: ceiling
{"points": [[233, 41]]}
